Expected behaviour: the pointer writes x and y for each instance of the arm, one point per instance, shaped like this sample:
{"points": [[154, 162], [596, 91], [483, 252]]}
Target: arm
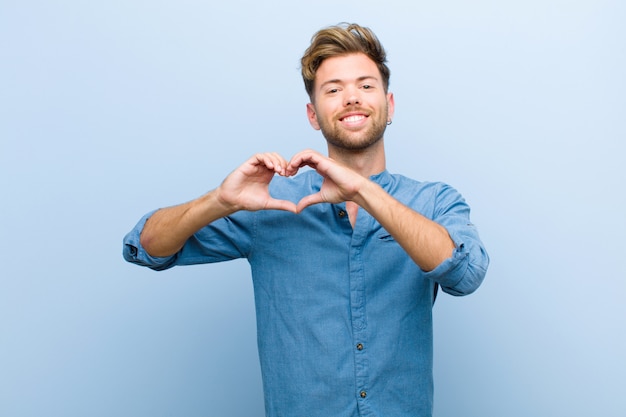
{"points": [[424, 240], [246, 188]]}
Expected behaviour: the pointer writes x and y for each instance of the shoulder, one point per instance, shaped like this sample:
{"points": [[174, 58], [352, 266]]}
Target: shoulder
{"points": [[424, 196], [401, 184]]}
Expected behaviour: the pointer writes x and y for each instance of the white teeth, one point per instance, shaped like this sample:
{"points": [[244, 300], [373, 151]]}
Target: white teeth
{"points": [[353, 118]]}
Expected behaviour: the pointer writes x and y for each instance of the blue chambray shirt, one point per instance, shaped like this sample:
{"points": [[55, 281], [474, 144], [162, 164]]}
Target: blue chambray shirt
{"points": [[344, 316]]}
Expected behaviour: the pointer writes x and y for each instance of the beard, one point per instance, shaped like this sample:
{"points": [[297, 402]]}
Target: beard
{"points": [[355, 141]]}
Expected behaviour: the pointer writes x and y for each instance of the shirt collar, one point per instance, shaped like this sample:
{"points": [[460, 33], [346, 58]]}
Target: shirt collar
{"points": [[383, 178]]}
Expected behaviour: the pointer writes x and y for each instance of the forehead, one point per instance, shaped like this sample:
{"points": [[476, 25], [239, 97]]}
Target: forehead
{"points": [[346, 68]]}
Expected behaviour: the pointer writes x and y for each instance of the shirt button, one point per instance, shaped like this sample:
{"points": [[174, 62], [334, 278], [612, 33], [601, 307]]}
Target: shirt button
{"points": [[363, 394], [342, 213], [359, 346]]}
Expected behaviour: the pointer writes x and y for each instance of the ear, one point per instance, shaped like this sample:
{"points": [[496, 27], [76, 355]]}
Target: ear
{"points": [[312, 116], [391, 105]]}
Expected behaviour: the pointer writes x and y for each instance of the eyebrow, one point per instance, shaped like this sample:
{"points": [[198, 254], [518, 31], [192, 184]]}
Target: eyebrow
{"points": [[339, 81]]}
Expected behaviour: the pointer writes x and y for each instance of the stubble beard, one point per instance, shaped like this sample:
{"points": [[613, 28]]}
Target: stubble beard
{"points": [[355, 141]]}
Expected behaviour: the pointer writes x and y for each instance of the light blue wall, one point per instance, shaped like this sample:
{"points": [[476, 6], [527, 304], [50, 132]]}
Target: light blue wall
{"points": [[110, 109]]}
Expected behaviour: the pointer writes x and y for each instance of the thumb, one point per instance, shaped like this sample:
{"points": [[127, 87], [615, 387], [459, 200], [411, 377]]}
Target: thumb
{"points": [[286, 205], [309, 200]]}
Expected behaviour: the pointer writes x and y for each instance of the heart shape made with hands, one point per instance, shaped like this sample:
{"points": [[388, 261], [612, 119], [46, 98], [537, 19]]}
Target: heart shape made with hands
{"points": [[340, 182]]}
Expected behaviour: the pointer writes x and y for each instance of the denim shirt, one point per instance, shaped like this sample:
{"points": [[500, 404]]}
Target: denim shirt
{"points": [[344, 316]]}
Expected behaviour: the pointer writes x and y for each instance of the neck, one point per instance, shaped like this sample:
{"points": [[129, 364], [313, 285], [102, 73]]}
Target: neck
{"points": [[367, 162]]}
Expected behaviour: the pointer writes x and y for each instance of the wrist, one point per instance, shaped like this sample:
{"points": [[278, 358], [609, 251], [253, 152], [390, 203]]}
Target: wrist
{"points": [[216, 202], [365, 192]]}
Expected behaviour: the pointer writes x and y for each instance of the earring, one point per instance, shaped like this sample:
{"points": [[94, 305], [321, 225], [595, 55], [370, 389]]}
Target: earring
{"points": [[389, 122]]}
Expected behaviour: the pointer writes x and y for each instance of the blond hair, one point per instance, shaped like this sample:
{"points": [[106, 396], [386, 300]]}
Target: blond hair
{"points": [[339, 40]]}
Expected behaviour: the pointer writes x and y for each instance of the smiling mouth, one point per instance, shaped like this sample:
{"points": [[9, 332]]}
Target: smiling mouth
{"points": [[353, 118]]}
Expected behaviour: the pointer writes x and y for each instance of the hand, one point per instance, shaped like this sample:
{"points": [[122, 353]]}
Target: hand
{"points": [[340, 183], [247, 188]]}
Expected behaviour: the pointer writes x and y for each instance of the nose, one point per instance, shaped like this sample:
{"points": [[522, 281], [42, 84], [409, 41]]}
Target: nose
{"points": [[352, 98]]}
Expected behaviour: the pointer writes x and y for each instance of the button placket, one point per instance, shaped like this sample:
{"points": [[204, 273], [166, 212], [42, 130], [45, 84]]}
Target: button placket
{"points": [[358, 307]]}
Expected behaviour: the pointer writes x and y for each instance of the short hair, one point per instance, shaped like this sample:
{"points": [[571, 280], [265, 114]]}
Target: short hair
{"points": [[340, 40]]}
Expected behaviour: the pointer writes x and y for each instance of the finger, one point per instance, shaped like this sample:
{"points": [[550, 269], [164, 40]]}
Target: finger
{"points": [[309, 200], [272, 161], [304, 158], [277, 162], [281, 164], [265, 159], [286, 205]]}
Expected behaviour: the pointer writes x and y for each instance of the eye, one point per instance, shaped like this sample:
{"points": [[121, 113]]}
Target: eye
{"points": [[366, 86]]}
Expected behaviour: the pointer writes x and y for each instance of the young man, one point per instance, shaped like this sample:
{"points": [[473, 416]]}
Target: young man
{"points": [[346, 258]]}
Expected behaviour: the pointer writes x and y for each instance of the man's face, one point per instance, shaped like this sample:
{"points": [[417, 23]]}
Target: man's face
{"points": [[350, 105]]}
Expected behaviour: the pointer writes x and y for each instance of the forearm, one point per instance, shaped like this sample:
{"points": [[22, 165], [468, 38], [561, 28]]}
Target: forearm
{"points": [[246, 188], [167, 230], [426, 242]]}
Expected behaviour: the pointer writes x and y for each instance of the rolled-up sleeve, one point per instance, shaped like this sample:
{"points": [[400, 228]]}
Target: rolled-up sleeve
{"points": [[224, 239], [464, 271], [135, 253]]}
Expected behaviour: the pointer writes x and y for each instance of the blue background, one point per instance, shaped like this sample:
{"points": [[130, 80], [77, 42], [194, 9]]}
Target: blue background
{"points": [[110, 109]]}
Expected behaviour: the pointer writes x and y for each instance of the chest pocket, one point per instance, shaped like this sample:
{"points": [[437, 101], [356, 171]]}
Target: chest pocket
{"points": [[387, 238]]}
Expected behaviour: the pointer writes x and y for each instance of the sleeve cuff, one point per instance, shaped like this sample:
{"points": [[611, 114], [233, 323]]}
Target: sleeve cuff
{"points": [[135, 253]]}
